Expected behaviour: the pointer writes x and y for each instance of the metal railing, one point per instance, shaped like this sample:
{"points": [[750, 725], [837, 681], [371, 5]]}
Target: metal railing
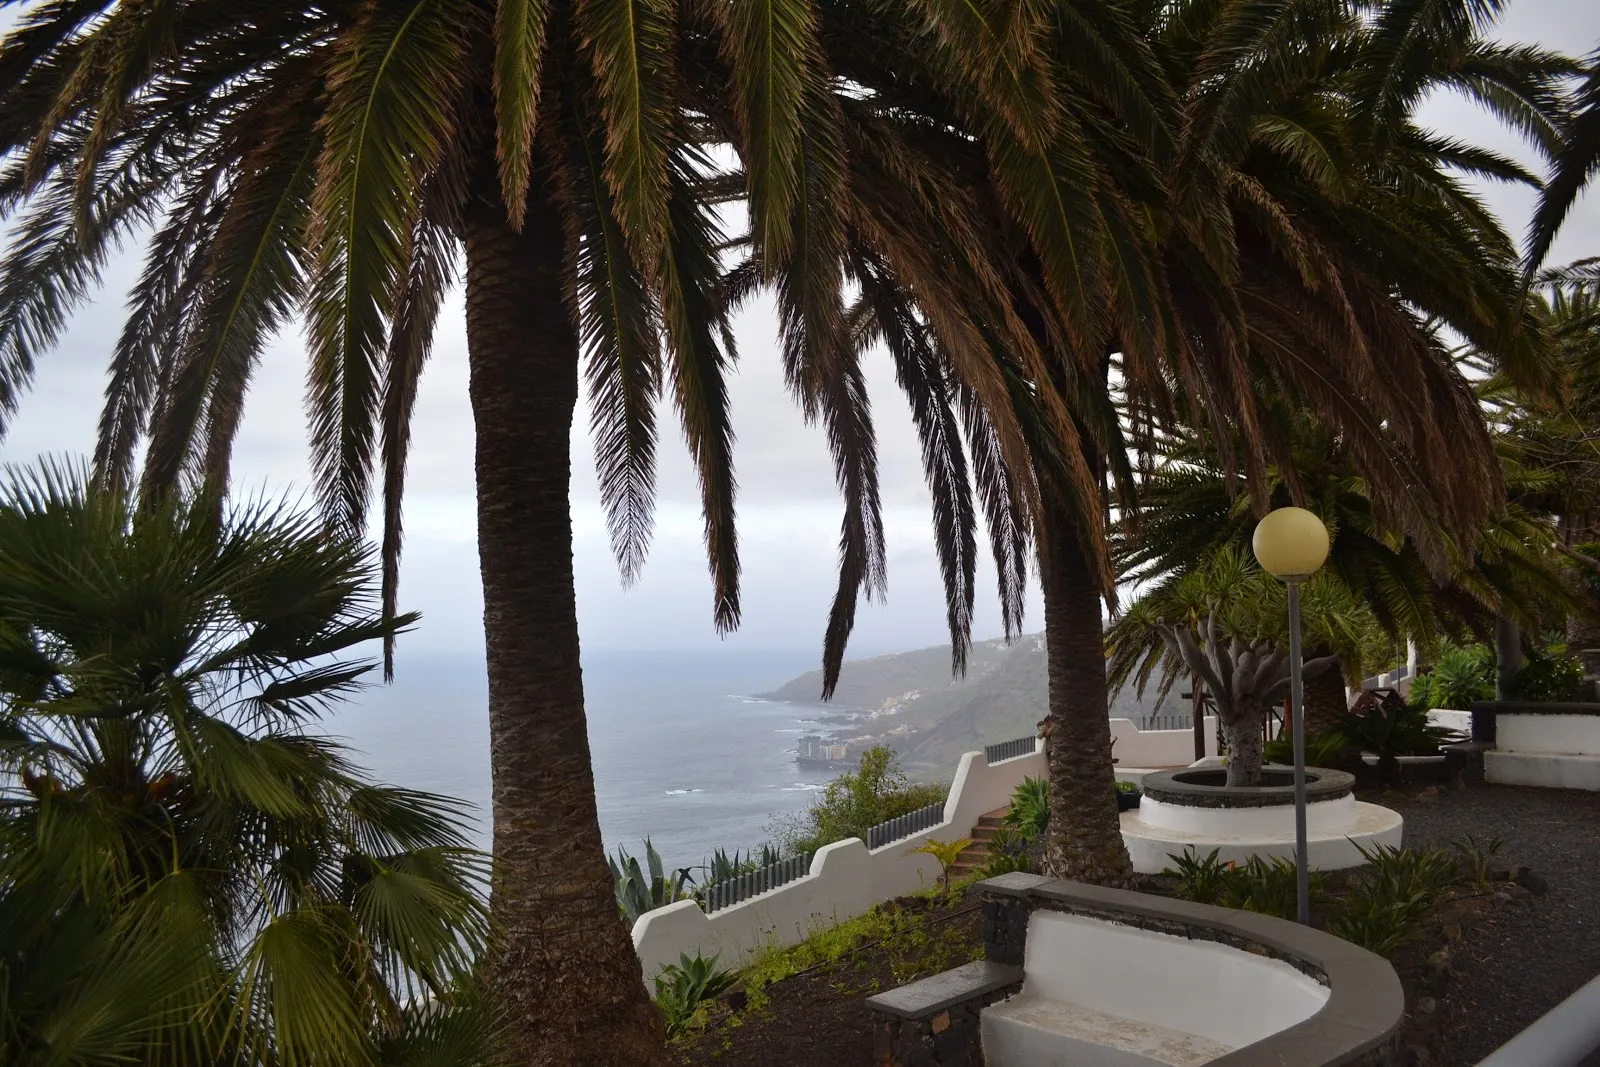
{"points": [[731, 891], [905, 825], [1022, 746], [1173, 721], [1564, 1036]]}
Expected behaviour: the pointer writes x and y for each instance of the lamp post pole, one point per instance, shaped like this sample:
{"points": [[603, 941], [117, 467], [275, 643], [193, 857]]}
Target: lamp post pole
{"points": [[1291, 544], [1302, 869]]}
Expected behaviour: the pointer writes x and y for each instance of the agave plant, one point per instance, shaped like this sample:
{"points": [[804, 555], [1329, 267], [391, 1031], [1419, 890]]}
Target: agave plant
{"points": [[1029, 813], [189, 873], [642, 889], [683, 986]]}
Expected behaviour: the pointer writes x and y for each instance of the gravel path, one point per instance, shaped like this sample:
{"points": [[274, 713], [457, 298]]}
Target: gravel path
{"points": [[1529, 957]]}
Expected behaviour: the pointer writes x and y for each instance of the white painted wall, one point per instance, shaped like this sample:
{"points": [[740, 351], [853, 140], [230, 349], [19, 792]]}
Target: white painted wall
{"points": [[1323, 816], [1157, 749], [1566, 735], [1101, 994], [847, 880], [1542, 769], [1201, 987]]}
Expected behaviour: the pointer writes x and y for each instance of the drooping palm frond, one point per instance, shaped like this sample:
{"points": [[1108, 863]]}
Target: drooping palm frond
{"points": [[1574, 163]]}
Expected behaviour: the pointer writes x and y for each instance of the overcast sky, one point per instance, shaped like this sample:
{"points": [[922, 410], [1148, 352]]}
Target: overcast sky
{"points": [[788, 506]]}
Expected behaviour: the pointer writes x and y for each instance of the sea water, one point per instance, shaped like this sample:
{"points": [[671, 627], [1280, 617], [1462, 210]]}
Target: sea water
{"points": [[682, 751]]}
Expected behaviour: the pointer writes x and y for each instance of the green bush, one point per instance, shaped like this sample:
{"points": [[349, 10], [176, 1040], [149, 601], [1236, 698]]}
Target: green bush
{"points": [[1477, 858], [1127, 787], [1549, 675], [1008, 852], [1322, 749], [1200, 880], [1391, 899], [1461, 676], [683, 986], [1029, 813], [1267, 887], [1392, 731], [876, 791]]}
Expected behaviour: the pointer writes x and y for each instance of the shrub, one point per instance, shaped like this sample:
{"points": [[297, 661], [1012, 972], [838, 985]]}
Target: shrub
{"points": [[1461, 676], [683, 986], [1407, 873], [1127, 787], [1322, 750], [1377, 924], [1267, 887], [1549, 675], [640, 890], [1392, 730], [1389, 902], [1008, 852], [876, 791], [1476, 857], [1199, 880], [1029, 813]]}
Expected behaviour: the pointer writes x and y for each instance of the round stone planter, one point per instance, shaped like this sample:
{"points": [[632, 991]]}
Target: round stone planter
{"points": [[1195, 810]]}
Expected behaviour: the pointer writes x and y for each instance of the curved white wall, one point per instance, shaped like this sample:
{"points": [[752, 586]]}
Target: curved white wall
{"points": [[1224, 994], [1323, 816]]}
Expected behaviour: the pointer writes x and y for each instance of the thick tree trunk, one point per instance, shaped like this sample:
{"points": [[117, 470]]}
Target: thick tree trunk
{"points": [[1084, 841], [1244, 749], [564, 968], [1324, 696]]}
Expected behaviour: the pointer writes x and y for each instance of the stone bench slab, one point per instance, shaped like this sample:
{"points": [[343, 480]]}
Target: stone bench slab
{"points": [[941, 992]]}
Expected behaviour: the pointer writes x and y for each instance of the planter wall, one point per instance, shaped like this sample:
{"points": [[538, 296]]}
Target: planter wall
{"points": [[1554, 745]]}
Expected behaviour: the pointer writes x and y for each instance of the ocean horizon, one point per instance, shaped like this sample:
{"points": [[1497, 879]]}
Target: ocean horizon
{"points": [[683, 751]]}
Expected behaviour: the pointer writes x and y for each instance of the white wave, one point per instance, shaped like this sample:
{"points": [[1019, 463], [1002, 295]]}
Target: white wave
{"points": [[802, 787], [681, 792]]}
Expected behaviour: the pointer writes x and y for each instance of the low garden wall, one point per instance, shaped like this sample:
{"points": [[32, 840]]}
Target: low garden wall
{"points": [[847, 879]]}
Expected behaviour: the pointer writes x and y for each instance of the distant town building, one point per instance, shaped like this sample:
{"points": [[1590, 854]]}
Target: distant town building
{"points": [[815, 750]]}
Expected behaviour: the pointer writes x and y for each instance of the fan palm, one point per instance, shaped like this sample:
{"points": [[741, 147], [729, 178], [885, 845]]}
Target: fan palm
{"points": [[340, 161], [188, 872]]}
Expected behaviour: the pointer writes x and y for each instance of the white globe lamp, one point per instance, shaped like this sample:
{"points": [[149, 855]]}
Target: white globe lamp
{"points": [[1290, 543]]}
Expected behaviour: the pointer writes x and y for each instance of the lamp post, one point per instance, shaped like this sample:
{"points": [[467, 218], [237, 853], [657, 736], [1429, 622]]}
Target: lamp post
{"points": [[1291, 544]]}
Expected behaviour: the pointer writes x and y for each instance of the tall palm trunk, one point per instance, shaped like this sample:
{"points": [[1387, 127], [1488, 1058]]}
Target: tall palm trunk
{"points": [[564, 968], [1085, 837]]}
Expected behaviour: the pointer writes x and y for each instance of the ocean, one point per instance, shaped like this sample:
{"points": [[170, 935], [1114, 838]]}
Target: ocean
{"points": [[682, 751]]}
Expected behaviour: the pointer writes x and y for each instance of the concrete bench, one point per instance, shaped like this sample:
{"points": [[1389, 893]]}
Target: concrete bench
{"points": [[1116, 979]]}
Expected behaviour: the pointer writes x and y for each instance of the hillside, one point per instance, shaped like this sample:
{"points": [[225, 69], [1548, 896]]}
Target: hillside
{"points": [[910, 700]]}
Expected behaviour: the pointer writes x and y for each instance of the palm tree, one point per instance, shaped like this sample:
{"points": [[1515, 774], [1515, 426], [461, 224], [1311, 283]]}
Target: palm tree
{"points": [[1280, 252], [1188, 515], [189, 872], [1576, 160], [336, 160]]}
